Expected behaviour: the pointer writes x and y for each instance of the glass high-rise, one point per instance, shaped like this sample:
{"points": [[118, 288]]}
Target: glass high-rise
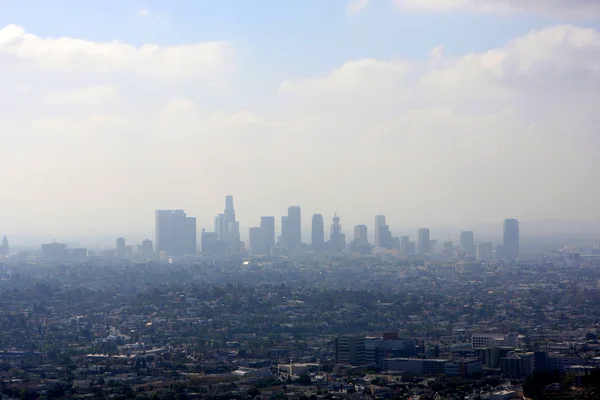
{"points": [[467, 242], [267, 224], [511, 239], [424, 241], [360, 233], [294, 222], [317, 232], [175, 232]]}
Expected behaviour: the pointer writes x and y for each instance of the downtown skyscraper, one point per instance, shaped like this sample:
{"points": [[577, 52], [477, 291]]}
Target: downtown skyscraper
{"points": [[383, 236], [511, 239], [175, 233], [267, 225], [360, 234], [467, 242], [317, 232], [337, 240], [291, 230], [294, 227], [423, 241], [228, 228]]}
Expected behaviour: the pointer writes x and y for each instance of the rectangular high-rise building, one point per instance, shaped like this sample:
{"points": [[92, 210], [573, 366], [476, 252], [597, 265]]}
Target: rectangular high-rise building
{"points": [[220, 226], [147, 250], [294, 227], [54, 251], [175, 233], [511, 239], [317, 232], [360, 234], [383, 236], [350, 350], [121, 248], [403, 241], [485, 251], [467, 242], [256, 239], [379, 221], [267, 224], [409, 248], [285, 231], [423, 241]]}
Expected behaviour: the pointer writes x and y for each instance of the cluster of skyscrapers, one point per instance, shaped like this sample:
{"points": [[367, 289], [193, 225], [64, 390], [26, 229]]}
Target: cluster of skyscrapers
{"points": [[176, 236]]}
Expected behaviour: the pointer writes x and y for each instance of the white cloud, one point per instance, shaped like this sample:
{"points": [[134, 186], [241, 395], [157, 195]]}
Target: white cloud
{"points": [[143, 12], [207, 60], [355, 6], [89, 96], [582, 8]]}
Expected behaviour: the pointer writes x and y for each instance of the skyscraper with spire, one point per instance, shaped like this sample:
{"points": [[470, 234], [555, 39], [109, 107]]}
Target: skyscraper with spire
{"points": [[337, 238], [228, 228]]}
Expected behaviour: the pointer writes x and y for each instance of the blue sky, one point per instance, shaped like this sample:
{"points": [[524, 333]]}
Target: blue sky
{"points": [[301, 36], [281, 102]]}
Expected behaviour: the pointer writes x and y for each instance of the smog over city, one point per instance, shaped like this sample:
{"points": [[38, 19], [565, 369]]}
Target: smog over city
{"points": [[300, 199]]}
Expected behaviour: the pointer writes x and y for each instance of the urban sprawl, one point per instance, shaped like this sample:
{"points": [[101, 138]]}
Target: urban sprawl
{"points": [[182, 318]]}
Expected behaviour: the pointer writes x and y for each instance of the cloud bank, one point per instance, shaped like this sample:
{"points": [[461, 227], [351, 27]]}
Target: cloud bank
{"points": [[581, 8], [98, 135]]}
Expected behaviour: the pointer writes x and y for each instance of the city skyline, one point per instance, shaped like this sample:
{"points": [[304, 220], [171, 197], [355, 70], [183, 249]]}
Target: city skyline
{"points": [[537, 231], [173, 236]]}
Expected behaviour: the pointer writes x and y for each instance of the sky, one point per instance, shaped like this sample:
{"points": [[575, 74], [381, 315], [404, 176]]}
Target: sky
{"points": [[432, 112]]}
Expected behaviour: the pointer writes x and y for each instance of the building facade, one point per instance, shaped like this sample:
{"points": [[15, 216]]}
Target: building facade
{"points": [[317, 233], [467, 242], [511, 240], [424, 241], [175, 233]]}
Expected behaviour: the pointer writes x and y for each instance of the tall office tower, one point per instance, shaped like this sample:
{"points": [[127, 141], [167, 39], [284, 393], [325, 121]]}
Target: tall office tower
{"points": [[500, 254], [211, 244], [360, 234], [256, 239], [423, 241], [317, 232], [511, 239], [4, 247], [175, 233], [220, 226], [295, 227], [404, 240], [147, 250], [467, 242], [54, 251], [228, 229], [485, 251], [121, 248], [379, 221], [267, 225], [337, 238], [409, 248], [285, 232], [383, 236]]}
